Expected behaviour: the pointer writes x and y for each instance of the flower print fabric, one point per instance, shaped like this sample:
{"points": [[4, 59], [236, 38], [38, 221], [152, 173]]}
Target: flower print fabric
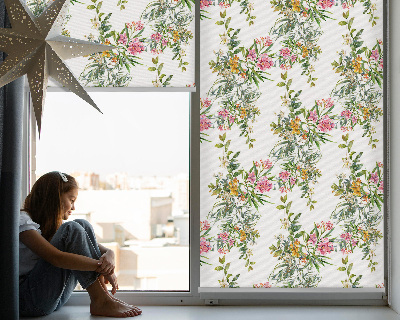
{"points": [[291, 125], [153, 41]]}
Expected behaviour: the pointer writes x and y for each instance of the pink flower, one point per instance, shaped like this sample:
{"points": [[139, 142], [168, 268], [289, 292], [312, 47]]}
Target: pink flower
{"points": [[156, 36], [223, 251], [292, 180], [325, 124], [354, 242], [135, 47], [346, 5], [266, 42], [380, 188], [205, 102], [264, 62], [262, 285], [325, 246], [284, 66], [164, 42], [374, 178], [346, 251], [313, 239], [252, 55], [380, 164], [326, 3], [224, 5], [354, 119], [284, 53], [264, 185], [313, 116], [328, 225], [346, 113], [231, 242], [374, 55], [205, 3], [283, 190], [232, 119], [325, 102], [204, 245], [346, 236], [204, 225], [139, 26], [284, 175], [205, 123], [266, 164], [224, 236], [251, 177], [223, 113], [123, 38], [293, 58], [381, 64]]}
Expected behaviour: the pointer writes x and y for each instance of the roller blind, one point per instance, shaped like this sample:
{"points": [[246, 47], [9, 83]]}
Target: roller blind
{"points": [[154, 41], [292, 154]]}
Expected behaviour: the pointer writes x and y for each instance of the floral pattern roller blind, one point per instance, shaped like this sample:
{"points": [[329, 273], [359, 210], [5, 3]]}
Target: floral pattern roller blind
{"points": [[153, 39], [292, 143]]}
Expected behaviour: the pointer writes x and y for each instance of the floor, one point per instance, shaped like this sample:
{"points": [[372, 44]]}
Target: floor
{"points": [[242, 313]]}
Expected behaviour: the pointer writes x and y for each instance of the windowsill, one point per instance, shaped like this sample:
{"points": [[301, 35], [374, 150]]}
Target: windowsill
{"points": [[240, 312]]}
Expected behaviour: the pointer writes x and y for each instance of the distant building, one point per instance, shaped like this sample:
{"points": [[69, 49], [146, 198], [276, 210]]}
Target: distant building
{"points": [[87, 180]]}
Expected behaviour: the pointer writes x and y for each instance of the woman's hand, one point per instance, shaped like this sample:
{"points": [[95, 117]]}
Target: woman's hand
{"points": [[107, 263], [112, 279]]}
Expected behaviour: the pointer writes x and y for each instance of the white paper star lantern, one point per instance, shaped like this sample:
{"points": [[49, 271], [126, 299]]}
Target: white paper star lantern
{"points": [[36, 48]]}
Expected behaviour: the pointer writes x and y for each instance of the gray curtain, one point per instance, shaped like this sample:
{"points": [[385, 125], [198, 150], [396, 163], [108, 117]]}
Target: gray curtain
{"points": [[11, 111]]}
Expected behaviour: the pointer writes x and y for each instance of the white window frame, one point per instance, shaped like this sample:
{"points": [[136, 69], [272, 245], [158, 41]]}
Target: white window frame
{"points": [[249, 296]]}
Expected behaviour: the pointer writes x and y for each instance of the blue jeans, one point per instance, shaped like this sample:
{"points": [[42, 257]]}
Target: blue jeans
{"points": [[47, 288]]}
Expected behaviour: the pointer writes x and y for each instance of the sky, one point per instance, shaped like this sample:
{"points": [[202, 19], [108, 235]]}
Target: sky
{"points": [[140, 133]]}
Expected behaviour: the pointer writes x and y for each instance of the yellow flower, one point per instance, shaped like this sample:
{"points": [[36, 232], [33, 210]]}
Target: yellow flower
{"points": [[356, 187], [357, 64], [365, 235], [304, 174], [305, 52], [234, 63], [295, 125], [233, 186], [365, 111], [176, 35], [294, 247], [295, 5], [242, 235], [243, 113]]}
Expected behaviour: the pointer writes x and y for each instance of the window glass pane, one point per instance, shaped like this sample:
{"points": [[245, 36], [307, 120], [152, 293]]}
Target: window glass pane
{"points": [[153, 40], [132, 166], [292, 144]]}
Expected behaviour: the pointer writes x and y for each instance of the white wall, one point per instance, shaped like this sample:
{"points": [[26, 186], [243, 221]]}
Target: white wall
{"points": [[394, 60]]}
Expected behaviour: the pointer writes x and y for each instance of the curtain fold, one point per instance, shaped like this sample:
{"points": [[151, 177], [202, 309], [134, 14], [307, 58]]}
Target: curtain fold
{"points": [[11, 111]]}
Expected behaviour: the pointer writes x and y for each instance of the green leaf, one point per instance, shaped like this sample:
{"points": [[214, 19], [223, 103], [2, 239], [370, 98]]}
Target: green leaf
{"points": [[220, 23], [152, 68], [280, 207], [219, 268], [342, 23], [281, 84]]}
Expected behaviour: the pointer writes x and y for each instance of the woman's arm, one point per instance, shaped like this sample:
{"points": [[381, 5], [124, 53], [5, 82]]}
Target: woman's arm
{"points": [[107, 260], [65, 260]]}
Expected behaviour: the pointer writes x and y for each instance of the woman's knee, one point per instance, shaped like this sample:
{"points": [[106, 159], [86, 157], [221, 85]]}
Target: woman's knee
{"points": [[71, 226]]}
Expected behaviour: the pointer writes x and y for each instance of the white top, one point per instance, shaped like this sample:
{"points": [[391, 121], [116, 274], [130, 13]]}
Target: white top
{"points": [[27, 259]]}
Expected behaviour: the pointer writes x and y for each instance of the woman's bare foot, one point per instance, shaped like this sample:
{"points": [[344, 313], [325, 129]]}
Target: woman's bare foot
{"points": [[111, 308], [103, 284], [102, 304]]}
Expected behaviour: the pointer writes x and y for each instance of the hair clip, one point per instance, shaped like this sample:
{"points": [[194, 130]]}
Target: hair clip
{"points": [[63, 177]]}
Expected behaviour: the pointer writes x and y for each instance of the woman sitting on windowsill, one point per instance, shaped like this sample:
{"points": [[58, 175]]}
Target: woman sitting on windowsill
{"points": [[54, 256]]}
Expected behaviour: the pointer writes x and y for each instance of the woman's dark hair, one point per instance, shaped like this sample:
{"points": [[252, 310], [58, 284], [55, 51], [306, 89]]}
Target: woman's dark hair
{"points": [[43, 203]]}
